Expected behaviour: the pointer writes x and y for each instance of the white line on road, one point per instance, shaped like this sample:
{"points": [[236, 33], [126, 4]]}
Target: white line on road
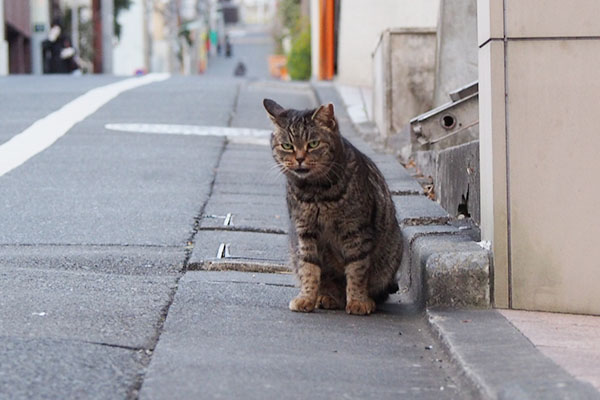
{"points": [[235, 135], [44, 132]]}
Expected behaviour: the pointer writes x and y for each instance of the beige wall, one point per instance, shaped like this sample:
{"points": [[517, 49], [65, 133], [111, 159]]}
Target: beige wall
{"points": [[361, 23], [539, 90]]}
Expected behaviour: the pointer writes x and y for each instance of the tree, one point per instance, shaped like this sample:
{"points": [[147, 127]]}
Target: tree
{"points": [[118, 7]]}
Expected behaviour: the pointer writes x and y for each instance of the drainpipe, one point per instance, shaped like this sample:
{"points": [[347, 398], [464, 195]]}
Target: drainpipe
{"points": [[3, 44], [326, 37]]}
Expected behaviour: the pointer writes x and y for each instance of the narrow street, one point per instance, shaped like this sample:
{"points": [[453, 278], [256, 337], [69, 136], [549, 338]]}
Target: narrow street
{"points": [[106, 235]]}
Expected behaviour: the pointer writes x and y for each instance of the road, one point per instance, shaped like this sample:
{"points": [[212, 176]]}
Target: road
{"points": [[104, 237]]}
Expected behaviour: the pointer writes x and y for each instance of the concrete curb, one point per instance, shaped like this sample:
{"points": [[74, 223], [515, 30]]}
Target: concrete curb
{"points": [[444, 265], [499, 362]]}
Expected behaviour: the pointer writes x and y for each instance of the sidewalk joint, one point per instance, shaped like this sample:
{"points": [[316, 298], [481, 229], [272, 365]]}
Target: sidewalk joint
{"points": [[134, 391]]}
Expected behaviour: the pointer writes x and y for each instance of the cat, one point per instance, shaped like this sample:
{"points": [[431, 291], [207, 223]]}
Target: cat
{"points": [[345, 241]]}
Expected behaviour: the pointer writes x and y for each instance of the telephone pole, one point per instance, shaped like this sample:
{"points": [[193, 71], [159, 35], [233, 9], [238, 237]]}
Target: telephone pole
{"points": [[107, 15], [3, 44]]}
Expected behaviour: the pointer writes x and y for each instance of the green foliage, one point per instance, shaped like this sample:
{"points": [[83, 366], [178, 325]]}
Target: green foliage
{"points": [[291, 23], [289, 13], [298, 62], [118, 6]]}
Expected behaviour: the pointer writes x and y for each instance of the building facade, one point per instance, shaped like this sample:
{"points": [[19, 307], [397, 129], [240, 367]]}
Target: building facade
{"points": [[18, 35], [539, 84]]}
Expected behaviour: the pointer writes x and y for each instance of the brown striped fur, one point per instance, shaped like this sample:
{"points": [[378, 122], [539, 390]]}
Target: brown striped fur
{"points": [[345, 240]]}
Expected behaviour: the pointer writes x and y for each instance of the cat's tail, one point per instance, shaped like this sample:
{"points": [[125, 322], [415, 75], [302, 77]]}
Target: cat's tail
{"points": [[382, 296]]}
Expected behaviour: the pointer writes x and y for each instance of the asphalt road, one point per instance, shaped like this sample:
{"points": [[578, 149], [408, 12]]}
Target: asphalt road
{"points": [[97, 237]]}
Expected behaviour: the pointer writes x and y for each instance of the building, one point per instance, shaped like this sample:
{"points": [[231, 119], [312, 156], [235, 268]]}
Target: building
{"points": [[357, 26], [17, 34], [129, 55], [538, 88]]}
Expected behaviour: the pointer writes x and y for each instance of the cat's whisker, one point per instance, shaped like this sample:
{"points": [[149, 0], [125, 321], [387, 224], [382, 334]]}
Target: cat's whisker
{"points": [[274, 172], [275, 168]]}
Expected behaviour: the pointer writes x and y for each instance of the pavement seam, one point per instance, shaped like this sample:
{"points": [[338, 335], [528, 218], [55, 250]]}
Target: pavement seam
{"points": [[242, 229], [134, 391], [236, 103], [245, 265], [199, 217], [253, 283], [474, 381], [118, 346], [405, 193]]}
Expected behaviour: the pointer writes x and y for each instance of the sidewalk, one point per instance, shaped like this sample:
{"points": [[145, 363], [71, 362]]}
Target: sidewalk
{"points": [[225, 330], [229, 334], [571, 341]]}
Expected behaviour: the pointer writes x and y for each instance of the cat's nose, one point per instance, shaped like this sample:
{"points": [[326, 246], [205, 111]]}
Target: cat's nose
{"points": [[300, 158]]}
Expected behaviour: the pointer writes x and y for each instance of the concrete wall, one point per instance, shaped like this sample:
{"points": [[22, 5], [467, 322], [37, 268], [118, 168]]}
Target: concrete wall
{"points": [[539, 85], [361, 24], [456, 49], [404, 70]]}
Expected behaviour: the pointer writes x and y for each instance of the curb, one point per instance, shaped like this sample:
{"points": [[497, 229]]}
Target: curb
{"points": [[443, 265], [498, 361]]}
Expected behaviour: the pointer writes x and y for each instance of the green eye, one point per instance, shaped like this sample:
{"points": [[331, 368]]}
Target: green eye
{"points": [[286, 146], [313, 144]]}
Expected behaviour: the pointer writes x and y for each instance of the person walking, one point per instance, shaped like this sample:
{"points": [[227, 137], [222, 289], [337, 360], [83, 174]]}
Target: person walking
{"points": [[58, 52]]}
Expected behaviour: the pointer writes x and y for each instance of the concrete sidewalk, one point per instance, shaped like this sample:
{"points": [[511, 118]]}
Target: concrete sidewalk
{"points": [[229, 334], [228, 331]]}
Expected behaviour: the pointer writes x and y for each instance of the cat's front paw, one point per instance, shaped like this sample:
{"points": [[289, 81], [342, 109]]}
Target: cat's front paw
{"points": [[327, 302], [360, 307], [303, 304]]}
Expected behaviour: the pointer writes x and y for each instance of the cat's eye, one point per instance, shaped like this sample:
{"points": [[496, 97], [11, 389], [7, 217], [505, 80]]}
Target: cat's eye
{"points": [[286, 146], [313, 144]]}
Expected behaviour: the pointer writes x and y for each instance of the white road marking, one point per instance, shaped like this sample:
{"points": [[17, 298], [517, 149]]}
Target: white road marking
{"points": [[44, 132], [235, 135]]}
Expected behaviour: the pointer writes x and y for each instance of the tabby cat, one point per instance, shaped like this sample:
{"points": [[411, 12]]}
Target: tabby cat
{"points": [[345, 240]]}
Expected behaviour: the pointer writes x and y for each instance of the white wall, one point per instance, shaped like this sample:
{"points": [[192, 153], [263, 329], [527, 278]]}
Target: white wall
{"points": [[361, 23], [128, 54], [314, 37]]}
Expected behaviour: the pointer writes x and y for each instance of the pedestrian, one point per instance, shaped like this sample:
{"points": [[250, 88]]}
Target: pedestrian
{"points": [[58, 52], [240, 69], [228, 49]]}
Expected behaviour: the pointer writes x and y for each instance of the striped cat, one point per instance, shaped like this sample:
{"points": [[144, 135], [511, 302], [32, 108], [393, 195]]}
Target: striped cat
{"points": [[345, 240]]}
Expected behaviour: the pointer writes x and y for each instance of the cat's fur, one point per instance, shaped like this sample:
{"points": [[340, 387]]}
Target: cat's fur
{"points": [[345, 240]]}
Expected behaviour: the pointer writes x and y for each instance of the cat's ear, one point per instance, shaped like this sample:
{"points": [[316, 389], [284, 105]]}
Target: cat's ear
{"points": [[274, 110], [324, 116]]}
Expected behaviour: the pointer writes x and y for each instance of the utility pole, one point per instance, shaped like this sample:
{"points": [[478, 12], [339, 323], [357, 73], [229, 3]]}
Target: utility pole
{"points": [[107, 12], [148, 14], [75, 24], [3, 44], [40, 21]]}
